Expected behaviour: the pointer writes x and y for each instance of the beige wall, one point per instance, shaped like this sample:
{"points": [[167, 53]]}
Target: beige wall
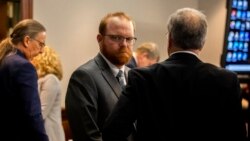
{"points": [[72, 26], [216, 15]]}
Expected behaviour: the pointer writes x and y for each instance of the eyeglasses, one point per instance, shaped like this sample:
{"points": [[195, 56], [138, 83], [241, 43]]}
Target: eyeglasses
{"points": [[41, 44], [120, 39]]}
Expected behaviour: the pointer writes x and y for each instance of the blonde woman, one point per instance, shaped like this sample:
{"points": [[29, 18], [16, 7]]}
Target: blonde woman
{"points": [[50, 73]]}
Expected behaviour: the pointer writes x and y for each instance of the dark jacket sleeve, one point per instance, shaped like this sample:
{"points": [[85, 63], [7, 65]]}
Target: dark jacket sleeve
{"points": [[81, 106], [120, 125]]}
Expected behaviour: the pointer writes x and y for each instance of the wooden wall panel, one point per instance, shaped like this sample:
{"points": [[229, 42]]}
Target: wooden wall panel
{"points": [[26, 9], [3, 20]]}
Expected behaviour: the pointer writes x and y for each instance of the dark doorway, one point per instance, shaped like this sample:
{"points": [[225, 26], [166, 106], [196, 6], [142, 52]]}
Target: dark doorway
{"points": [[11, 12]]}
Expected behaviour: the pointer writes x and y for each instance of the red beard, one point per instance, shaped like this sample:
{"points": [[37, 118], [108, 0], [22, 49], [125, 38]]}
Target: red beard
{"points": [[120, 58]]}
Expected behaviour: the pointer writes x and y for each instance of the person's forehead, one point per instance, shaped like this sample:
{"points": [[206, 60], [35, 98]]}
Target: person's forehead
{"points": [[118, 21]]}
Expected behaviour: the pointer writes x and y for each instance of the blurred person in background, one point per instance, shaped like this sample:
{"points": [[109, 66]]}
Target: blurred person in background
{"points": [[146, 54], [49, 70]]}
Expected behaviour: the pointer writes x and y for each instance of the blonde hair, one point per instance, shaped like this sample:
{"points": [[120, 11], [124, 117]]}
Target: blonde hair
{"points": [[48, 62]]}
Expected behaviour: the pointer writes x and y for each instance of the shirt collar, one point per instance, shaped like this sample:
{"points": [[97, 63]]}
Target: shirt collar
{"points": [[184, 51], [113, 68]]}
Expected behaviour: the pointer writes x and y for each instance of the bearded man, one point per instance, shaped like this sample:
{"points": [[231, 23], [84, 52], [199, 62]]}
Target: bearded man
{"points": [[93, 89]]}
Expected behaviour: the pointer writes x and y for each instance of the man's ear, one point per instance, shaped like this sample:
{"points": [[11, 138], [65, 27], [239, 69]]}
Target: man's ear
{"points": [[170, 43], [99, 38], [26, 41]]}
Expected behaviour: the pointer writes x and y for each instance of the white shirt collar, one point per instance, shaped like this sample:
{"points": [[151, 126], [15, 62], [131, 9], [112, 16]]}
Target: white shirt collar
{"points": [[114, 69]]}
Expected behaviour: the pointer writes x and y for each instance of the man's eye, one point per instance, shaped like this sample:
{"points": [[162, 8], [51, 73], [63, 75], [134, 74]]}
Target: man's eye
{"points": [[118, 38], [129, 39]]}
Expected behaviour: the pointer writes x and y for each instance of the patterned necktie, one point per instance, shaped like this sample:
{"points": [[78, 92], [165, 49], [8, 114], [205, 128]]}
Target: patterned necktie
{"points": [[121, 79]]}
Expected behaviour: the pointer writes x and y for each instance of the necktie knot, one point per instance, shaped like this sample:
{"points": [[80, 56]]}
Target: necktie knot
{"points": [[119, 74], [121, 79]]}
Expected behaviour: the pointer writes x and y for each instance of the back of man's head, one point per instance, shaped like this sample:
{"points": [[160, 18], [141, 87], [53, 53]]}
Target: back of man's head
{"points": [[187, 28]]}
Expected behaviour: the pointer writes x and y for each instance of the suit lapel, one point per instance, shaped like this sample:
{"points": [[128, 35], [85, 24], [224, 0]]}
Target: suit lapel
{"points": [[108, 75], [111, 80]]}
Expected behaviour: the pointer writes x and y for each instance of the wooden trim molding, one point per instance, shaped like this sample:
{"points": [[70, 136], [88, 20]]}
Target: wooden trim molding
{"points": [[26, 7]]}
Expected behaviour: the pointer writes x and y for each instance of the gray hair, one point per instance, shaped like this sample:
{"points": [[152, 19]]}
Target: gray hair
{"points": [[150, 48], [27, 27], [187, 28]]}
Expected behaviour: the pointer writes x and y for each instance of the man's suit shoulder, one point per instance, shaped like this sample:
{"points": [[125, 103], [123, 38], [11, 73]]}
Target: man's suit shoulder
{"points": [[90, 65], [17, 63], [210, 67], [203, 68], [16, 60]]}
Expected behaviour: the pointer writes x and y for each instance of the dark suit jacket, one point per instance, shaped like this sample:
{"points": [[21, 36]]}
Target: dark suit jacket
{"points": [[21, 118], [132, 63], [181, 98], [92, 93]]}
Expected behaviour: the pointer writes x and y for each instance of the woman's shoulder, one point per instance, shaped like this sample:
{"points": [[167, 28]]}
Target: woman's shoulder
{"points": [[50, 77]]}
